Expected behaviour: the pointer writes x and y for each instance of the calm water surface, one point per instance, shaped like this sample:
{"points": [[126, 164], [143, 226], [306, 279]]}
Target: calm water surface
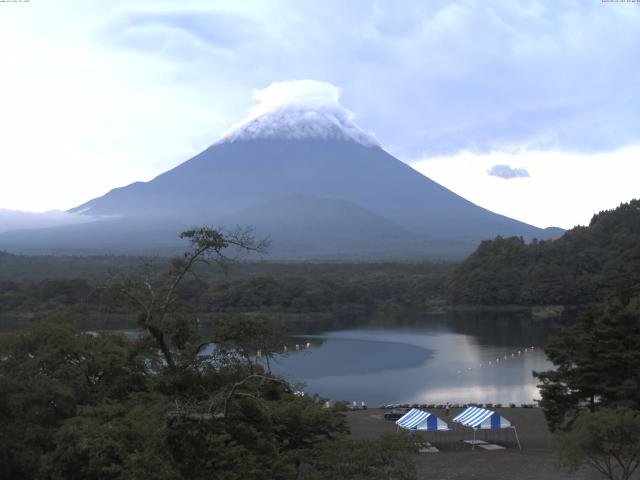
{"points": [[439, 358]]}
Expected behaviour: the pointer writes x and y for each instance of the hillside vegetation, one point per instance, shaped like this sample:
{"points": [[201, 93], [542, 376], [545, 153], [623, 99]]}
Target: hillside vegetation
{"points": [[576, 269], [163, 403]]}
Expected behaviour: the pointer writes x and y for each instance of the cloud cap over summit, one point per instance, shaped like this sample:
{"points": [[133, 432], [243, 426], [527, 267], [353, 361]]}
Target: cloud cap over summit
{"points": [[298, 109]]}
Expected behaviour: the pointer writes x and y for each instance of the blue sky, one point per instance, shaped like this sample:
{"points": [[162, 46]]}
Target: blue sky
{"points": [[99, 94]]}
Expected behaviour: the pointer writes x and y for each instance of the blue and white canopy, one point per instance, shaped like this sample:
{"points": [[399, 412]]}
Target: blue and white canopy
{"points": [[481, 418], [416, 419]]}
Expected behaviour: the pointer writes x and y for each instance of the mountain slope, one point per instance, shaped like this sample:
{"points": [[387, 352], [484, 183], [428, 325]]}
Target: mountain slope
{"points": [[307, 227], [354, 199], [230, 176]]}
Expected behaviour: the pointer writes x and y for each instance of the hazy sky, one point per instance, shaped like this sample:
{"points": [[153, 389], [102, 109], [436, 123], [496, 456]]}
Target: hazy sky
{"points": [[529, 108]]}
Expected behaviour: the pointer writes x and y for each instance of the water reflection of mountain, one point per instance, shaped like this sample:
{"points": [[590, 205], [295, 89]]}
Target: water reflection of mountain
{"points": [[501, 328], [336, 357], [496, 328]]}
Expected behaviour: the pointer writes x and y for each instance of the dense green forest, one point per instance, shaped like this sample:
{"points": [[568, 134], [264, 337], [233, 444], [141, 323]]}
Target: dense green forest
{"points": [[579, 268], [35, 287], [160, 404], [77, 406]]}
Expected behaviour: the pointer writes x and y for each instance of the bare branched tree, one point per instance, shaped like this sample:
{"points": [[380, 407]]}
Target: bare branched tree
{"points": [[157, 299]]}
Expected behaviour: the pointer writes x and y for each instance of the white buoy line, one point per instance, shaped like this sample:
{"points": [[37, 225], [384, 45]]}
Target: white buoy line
{"points": [[499, 360]]}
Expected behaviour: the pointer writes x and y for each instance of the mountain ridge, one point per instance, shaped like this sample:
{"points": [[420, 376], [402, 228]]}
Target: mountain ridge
{"points": [[389, 209]]}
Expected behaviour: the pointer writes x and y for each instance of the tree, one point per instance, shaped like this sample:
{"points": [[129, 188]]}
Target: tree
{"points": [[249, 337], [103, 406], [158, 299], [624, 281], [76, 405], [112, 440], [606, 440], [48, 376], [371, 459], [597, 362]]}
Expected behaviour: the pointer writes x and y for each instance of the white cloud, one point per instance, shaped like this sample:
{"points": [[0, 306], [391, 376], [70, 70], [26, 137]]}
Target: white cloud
{"points": [[507, 172], [16, 220], [299, 109], [310, 94], [564, 189]]}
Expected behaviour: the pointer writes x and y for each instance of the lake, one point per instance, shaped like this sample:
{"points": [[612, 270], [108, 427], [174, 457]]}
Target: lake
{"points": [[439, 358]]}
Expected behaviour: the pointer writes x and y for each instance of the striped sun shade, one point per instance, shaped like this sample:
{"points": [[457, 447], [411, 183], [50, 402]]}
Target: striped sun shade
{"points": [[416, 419], [476, 417]]}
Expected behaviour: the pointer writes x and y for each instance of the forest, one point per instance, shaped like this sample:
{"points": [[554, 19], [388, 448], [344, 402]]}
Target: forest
{"points": [[576, 269], [159, 404], [35, 287]]}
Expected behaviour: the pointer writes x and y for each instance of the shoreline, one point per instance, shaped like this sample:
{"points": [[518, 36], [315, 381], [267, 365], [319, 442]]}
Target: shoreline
{"points": [[456, 460]]}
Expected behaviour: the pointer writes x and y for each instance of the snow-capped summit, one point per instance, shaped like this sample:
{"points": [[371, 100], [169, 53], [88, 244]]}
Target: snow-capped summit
{"points": [[298, 123], [302, 109]]}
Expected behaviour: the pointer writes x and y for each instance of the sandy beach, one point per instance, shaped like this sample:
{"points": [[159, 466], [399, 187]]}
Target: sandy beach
{"points": [[457, 460]]}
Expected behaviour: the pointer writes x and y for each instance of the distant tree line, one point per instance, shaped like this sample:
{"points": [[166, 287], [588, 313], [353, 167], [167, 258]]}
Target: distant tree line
{"points": [[298, 289]]}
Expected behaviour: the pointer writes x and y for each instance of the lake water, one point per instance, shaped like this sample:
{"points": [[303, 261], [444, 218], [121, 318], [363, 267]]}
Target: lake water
{"points": [[436, 359]]}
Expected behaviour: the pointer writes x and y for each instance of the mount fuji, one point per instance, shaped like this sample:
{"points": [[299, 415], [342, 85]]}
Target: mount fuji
{"points": [[301, 173]]}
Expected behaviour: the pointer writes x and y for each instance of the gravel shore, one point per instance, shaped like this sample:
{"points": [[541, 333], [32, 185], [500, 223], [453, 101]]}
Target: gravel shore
{"points": [[456, 459]]}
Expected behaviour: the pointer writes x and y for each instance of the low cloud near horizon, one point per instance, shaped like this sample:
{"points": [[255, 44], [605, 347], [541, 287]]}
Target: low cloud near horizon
{"points": [[18, 220], [507, 172]]}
